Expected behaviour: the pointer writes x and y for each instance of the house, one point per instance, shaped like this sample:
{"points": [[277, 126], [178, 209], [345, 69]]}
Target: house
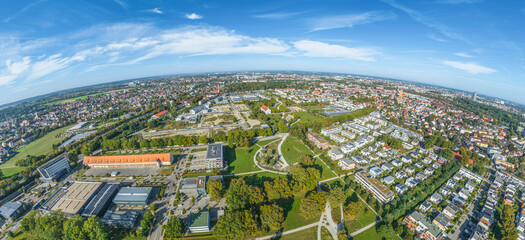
{"points": [[265, 109], [427, 161], [359, 160], [470, 186], [387, 167], [331, 130], [401, 175], [338, 138], [335, 154], [411, 182], [406, 159], [422, 227], [388, 180], [451, 183], [348, 134], [445, 190], [318, 141], [436, 165], [464, 193], [421, 176], [441, 221], [346, 164], [401, 188], [410, 170], [442, 160], [425, 206], [397, 163], [450, 211], [365, 152], [375, 172], [436, 198], [419, 165], [429, 171]]}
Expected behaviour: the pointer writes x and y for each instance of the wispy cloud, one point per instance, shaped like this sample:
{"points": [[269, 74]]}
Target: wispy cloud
{"points": [[121, 3], [19, 13], [155, 10], [277, 16], [469, 67], [419, 51], [348, 21], [462, 54], [193, 16], [435, 38], [423, 19], [321, 49]]}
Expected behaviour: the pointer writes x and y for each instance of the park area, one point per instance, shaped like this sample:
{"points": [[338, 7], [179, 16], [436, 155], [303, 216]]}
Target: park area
{"points": [[240, 160], [41, 146], [293, 148]]}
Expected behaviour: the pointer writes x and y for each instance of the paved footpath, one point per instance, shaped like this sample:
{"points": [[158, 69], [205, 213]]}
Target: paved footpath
{"points": [[315, 224]]}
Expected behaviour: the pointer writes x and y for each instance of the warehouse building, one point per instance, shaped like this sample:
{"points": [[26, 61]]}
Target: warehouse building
{"points": [[72, 200], [129, 161], [54, 169], [125, 219], [214, 156], [133, 196], [101, 201]]}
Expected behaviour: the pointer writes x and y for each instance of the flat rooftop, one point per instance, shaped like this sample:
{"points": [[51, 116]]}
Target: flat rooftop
{"points": [[214, 151], [76, 197]]}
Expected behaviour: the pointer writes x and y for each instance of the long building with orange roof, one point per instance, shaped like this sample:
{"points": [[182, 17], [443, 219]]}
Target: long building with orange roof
{"points": [[129, 161]]}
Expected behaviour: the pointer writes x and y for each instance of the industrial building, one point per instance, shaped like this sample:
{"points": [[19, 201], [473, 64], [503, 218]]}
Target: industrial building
{"points": [[11, 210], [137, 196], [125, 219], [193, 186], [54, 169], [380, 191], [214, 156], [101, 201], [129, 161], [71, 200]]}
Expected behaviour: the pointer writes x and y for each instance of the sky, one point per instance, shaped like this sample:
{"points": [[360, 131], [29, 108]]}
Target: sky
{"points": [[473, 45]]}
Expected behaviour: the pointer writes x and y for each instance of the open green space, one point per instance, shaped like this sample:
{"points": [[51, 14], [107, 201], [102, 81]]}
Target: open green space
{"points": [[293, 148], [240, 160], [307, 234], [325, 234], [314, 107], [293, 218], [326, 173], [370, 233], [41, 146], [8, 172], [366, 217], [73, 99], [307, 116]]}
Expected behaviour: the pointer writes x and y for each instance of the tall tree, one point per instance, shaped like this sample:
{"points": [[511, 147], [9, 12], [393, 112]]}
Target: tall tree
{"points": [[272, 216], [174, 228]]}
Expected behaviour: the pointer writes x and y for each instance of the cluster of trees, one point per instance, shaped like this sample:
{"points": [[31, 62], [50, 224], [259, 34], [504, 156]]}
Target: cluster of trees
{"points": [[58, 226], [436, 140], [146, 224], [505, 228], [30, 161], [391, 141], [174, 228]]}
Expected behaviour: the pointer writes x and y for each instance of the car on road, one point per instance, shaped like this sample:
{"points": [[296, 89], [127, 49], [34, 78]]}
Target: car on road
{"points": [[114, 174]]}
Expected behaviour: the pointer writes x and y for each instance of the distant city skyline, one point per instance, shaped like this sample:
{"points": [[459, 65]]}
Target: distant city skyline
{"points": [[470, 45]]}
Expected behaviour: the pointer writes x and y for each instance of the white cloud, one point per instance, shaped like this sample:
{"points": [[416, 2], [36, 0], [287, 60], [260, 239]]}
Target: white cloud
{"points": [[277, 16], [458, 1], [348, 21], [435, 38], [469, 67], [462, 54], [121, 3], [320, 49], [155, 10], [7, 79], [193, 16]]}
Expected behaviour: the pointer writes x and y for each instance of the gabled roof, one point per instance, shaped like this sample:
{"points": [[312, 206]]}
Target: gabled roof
{"points": [[122, 159]]}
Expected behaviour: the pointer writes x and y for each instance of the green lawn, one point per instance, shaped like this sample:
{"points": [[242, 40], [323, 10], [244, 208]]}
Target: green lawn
{"points": [[307, 117], [370, 233], [293, 148], [73, 99], [307, 234], [325, 172], [366, 217], [8, 172], [41, 146], [325, 234], [240, 160], [293, 218]]}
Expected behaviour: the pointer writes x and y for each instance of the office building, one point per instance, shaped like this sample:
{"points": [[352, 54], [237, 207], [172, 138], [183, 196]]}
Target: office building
{"points": [[214, 156], [129, 161], [133, 196], [382, 193]]}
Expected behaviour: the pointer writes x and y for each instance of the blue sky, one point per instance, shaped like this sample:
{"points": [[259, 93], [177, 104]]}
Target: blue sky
{"points": [[472, 45]]}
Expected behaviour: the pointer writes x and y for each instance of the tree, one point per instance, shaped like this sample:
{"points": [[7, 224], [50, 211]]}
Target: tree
{"points": [[202, 140], [146, 222], [272, 216], [215, 189], [277, 189], [240, 195], [353, 209], [313, 204], [73, 228], [153, 207], [306, 160], [231, 226], [94, 229], [250, 222], [307, 178], [174, 228], [336, 196]]}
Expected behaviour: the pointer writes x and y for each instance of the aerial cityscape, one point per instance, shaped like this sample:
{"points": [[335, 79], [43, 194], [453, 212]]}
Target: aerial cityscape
{"points": [[141, 120]]}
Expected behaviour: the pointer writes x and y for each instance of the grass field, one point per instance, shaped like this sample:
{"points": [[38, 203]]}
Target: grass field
{"points": [[307, 117], [293, 218], [293, 148], [43, 145], [370, 233], [325, 234], [366, 217], [73, 99], [240, 160], [307, 234]]}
